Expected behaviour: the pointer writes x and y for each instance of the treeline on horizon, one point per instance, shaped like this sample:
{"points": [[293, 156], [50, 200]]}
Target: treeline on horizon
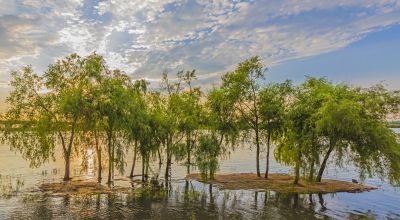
{"points": [[80, 104]]}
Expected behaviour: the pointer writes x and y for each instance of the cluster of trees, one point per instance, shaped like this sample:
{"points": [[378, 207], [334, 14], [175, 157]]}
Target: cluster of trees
{"points": [[79, 103]]}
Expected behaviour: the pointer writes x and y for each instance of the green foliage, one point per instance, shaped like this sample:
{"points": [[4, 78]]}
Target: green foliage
{"points": [[78, 103], [341, 122], [207, 154]]}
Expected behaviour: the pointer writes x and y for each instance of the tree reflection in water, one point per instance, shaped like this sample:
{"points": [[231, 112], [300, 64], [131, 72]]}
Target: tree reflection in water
{"points": [[181, 200]]}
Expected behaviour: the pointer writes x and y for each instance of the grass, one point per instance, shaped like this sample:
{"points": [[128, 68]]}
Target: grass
{"points": [[281, 183]]}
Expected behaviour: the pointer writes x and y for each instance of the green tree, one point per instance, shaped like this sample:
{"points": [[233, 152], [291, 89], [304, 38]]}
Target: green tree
{"points": [[91, 124], [47, 109], [169, 110], [220, 130], [341, 122], [243, 86], [139, 129], [272, 107], [112, 101], [191, 120]]}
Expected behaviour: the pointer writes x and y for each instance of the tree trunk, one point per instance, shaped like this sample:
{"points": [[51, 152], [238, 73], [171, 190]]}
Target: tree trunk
{"points": [[67, 167], [134, 159], [268, 149], [143, 168], [167, 166], [147, 168], [297, 167], [311, 175], [110, 159], [188, 147], [98, 152], [113, 160], [159, 157], [258, 152], [323, 165], [100, 167]]}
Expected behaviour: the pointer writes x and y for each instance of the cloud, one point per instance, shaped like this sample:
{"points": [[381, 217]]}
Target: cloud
{"points": [[144, 38]]}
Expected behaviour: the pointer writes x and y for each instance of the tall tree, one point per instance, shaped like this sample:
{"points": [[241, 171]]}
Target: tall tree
{"points": [[243, 86], [169, 112], [273, 105], [191, 113], [341, 122], [113, 99], [48, 108]]}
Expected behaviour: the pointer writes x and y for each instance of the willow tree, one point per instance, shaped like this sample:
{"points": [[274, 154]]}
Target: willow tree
{"points": [[273, 105], [220, 130], [91, 124], [243, 86], [169, 110], [352, 122], [341, 123], [47, 109], [299, 144], [137, 120], [112, 102], [191, 120]]}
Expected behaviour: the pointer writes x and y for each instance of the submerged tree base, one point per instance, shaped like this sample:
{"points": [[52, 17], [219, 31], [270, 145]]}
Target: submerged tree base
{"points": [[281, 183], [79, 187]]}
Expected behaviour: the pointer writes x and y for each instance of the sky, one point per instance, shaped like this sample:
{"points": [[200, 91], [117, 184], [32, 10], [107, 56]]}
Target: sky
{"points": [[352, 41]]}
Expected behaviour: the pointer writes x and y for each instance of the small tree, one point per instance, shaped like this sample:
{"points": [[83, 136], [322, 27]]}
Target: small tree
{"points": [[207, 155]]}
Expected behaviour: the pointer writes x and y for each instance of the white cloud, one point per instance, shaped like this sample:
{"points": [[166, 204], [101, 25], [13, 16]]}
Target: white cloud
{"points": [[146, 37]]}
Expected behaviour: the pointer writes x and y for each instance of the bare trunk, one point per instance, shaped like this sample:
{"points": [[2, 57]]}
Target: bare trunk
{"points": [[258, 152], [147, 169], [134, 159], [159, 157], [188, 149], [297, 168], [311, 175], [100, 167], [98, 152], [167, 168], [323, 165], [143, 168], [110, 159], [67, 167], [168, 165], [268, 149]]}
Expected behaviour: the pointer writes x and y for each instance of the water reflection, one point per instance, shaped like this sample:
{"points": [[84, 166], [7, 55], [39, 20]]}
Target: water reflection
{"points": [[10, 185], [183, 199], [186, 200]]}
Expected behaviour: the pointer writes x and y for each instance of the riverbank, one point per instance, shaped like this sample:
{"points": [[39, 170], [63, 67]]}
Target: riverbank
{"points": [[281, 183]]}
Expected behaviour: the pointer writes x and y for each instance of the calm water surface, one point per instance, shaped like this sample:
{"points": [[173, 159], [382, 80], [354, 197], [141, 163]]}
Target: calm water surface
{"points": [[185, 199]]}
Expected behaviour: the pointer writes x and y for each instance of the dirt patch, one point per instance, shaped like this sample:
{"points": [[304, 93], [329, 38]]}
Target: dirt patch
{"points": [[281, 183], [79, 187]]}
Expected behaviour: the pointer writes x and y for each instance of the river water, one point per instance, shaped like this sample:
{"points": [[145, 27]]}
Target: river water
{"points": [[20, 199]]}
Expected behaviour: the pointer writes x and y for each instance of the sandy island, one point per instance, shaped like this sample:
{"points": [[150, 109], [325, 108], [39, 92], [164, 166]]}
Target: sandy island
{"points": [[79, 187], [276, 182], [281, 183]]}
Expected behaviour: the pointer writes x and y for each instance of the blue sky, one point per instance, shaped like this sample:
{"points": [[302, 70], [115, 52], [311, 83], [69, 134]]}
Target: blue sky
{"points": [[353, 41]]}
